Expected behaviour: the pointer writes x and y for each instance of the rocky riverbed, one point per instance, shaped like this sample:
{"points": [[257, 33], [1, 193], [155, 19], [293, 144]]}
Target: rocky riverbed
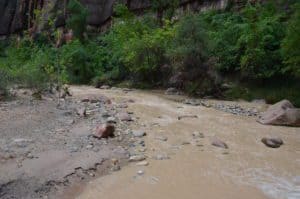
{"points": [[161, 147]]}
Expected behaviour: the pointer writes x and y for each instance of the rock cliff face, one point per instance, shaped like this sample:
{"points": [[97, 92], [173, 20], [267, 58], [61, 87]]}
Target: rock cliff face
{"points": [[18, 15]]}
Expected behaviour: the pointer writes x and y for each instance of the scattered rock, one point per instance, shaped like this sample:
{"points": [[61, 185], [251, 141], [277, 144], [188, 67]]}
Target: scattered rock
{"points": [[124, 117], [131, 101], [8, 156], [259, 101], [192, 102], [30, 156], [197, 134], [71, 121], [272, 142], [142, 163], [219, 143], [21, 142], [162, 138], [90, 146], [187, 116], [85, 100], [226, 86], [126, 90], [94, 101], [281, 113], [185, 142], [111, 120], [236, 109], [115, 165], [138, 133], [116, 168], [104, 131], [137, 158], [37, 95], [172, 91], [105, 100], [74, 149], [161, 157], [105, 87], [143, 150], [122, 106], [81, 112], [106, 114]]}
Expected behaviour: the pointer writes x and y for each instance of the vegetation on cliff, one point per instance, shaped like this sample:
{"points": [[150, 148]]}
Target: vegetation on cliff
{"points": [[255, 49]]}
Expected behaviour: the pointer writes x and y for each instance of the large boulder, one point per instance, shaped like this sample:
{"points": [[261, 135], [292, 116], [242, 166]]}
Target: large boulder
{"points": [[281, 113]]}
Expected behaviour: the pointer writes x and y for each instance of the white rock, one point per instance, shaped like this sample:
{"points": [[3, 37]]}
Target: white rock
{"points": [[142, 163], [138, 133], [136, 158], [140, 172]]}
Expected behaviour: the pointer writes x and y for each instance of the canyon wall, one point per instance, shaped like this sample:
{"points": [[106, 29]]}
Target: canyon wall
{"points": [[18, 15]]}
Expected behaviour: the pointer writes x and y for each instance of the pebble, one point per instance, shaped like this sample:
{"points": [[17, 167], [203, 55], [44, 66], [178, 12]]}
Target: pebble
{"points": [[141, 172], [219, 143]]}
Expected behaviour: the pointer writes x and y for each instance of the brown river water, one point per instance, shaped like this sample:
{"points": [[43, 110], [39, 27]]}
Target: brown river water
{"points": [[247, 170]]}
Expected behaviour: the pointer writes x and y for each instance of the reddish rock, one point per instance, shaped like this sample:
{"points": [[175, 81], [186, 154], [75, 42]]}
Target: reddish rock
{"points": [[104, 131], [219, 143]]}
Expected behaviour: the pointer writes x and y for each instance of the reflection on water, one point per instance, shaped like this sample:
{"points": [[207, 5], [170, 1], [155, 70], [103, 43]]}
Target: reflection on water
{"points": [[273, 186]]}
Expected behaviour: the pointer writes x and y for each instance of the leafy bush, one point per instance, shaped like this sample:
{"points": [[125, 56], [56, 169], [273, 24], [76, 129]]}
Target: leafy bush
{"points": [[291, 43], [248, 43], [77, 20], [191, 44], [136, 45]]}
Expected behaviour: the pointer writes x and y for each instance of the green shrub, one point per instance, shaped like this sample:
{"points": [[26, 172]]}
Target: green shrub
{"points": [[77, 20], [248, 43], [291, 44], [191, 44], [136, 46]]}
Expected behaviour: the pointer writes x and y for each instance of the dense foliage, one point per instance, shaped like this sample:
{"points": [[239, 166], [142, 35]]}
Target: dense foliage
{"points": [[256, 46]]}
